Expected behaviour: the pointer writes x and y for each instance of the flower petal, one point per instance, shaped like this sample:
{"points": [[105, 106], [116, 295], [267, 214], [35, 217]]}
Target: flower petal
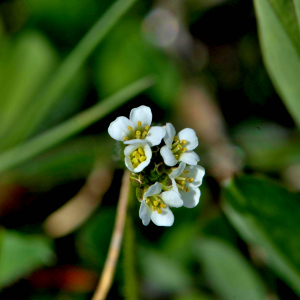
{"points": [[128, 151], [134, 141], [196, 172], [172, 199], [174, 186], [145, 213], [189, 157], [191, 198], [154, 189], [118, 128], [141, 114], [168, 156], [177, 172], [155, 135], [166, 218], [170, 133], [190, 136]]}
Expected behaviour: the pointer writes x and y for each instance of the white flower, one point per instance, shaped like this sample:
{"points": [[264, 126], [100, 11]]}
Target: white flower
{"points": [[155, 204], [178, 148], [137, 128], [137, 157], [186, 182]]}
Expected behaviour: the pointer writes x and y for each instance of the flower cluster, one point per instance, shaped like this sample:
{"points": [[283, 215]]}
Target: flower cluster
{"points": [[163, 165]]}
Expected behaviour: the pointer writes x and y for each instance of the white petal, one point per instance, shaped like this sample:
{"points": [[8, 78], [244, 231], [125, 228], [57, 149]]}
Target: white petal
{"points": [[196, 172], [155, 135], [143, 114], [190, 136], [170, 133], [174, 186], [189, 157], [134, 141], [191, 198], [154, 189], [118, 128], [166, 218], [145, 213], [128, 151], [172, 199], [168, 156], [177, 172]]}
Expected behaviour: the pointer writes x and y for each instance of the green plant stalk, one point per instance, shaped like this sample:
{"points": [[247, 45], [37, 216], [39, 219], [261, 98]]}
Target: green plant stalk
{"points": [[297, 10], [72, 64], [50, 138], [131, 291]]}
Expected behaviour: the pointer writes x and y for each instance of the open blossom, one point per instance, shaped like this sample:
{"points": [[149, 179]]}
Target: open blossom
{"points": [[137, 128], [186, 182], [178, 148], [137, 156], [155, 206]]}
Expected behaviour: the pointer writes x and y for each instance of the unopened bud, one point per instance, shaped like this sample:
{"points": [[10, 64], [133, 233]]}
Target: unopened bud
{"points": [[160, 168], [139, 193], [166, 182], [137, 179]]}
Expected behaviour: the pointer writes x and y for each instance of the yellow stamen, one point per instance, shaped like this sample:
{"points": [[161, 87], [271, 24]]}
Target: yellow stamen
{"points": [[142, 158], [187, 189], [134, 153], [135, 165], [155, 203], [130, 128], [186, 172], [144, 134], [153, 208], [175, 139], [176, 156], [180, 186], [135, 160], [137, 155], [162, 205], [181, 178], [183, 149], [183, 142], [159, 210], [140, 150], [147, 201], [181, 182], [191, 179], [139, 123], [147, 127], [125, 138], [138, 132]]}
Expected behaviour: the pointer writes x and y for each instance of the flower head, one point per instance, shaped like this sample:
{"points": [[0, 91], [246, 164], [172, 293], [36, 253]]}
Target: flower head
{"points": [[155, 206], [137, 157], [137, 128], [178, 148], [186, 182]]}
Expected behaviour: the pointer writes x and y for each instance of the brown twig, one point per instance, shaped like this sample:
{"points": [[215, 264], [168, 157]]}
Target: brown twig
{"points": [[115, 244]]}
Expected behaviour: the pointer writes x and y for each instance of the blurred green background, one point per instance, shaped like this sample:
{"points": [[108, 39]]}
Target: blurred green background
{"points": [[59, 178]]}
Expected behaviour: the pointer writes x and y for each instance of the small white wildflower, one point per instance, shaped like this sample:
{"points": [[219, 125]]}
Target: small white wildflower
{"points": [[137, 157], [155, 206], [186, 182], [137, 128], [178, 148]]}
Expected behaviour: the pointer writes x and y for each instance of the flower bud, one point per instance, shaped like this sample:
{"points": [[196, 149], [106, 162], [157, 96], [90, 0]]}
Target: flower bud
{"points": [[139, 193], [166, 182], [137, 179], [160, 168]]}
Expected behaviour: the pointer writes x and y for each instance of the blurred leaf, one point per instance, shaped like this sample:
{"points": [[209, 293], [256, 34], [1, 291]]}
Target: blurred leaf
{"points": [[25, 67], [52, 92], [93, 238], [35, 146], [268, 147], [267, 215], [194, 296], [163, 272], [70, 161], [21, 254], [116, 69], [280, 42], [297, 9], [228, 272]]}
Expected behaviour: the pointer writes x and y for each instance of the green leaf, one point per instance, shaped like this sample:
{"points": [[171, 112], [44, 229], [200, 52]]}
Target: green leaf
{"points": [[50, 138], [267, 215], [21, 254], [280, 43], [228, 272], [69, 68]]}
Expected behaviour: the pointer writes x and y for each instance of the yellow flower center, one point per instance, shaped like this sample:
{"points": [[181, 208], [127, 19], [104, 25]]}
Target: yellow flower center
{"points": [[181, 181], [137, 157], [140, 132], [156, 203], [178, 147]]}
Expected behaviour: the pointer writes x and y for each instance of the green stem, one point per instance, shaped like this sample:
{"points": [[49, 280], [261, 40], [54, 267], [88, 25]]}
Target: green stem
{"points": [[70, 127]]}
